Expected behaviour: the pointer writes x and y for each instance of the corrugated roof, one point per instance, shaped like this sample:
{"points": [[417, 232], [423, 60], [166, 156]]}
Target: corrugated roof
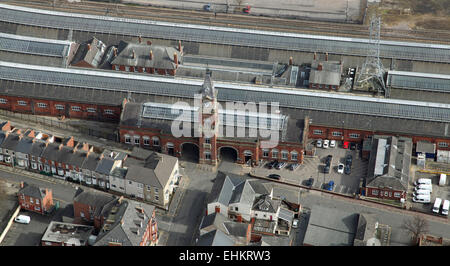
{"points": [[221, 35], [31, 45], [302, 99], [418, 81]]}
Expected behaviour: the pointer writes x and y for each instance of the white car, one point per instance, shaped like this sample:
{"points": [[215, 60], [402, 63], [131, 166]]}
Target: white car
{"points": [[340, 168], [319, 143], [333, 144], [326, 144], [295, 223], [23, 219]]}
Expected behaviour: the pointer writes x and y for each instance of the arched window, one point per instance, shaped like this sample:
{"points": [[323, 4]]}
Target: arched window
{"points": [[155, 141], [127, 139], [274, 153], [284, 154], [294, 155], [146, 140]]}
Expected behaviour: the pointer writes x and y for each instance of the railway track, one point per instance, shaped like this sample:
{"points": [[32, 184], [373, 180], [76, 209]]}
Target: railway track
{"points": [[235, 20]]}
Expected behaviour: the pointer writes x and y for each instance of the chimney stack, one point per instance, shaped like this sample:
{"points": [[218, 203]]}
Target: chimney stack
{"points": [[149, 42], [175, 59], [326, 56], [89, 46], [140, 39], [179, 46], [151, 54], [133, 54], [115, 51], [319, 67], [291, 61], [315, 55]]}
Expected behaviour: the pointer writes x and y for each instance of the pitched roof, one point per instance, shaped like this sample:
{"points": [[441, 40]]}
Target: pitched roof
{"points": [[265, 204], [37, 148], [215, 238], [91, 52], [51, 152], [105, 166], [425, 147], [25, 145], [32, 191], [90, 163], [11, 141], [95, 199], [163, 56], [208, 90]]}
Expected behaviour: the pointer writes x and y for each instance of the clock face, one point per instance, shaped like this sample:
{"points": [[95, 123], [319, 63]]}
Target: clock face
{"points": [[207, 104]]}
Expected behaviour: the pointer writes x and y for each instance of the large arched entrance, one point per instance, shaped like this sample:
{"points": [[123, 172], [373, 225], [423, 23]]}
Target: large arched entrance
{"points": [[189, 152], [228, 154]]}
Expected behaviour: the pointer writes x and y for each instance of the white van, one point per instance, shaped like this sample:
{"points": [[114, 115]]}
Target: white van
{"points": [[23, 219], [445, 207], [437, 205], [424, 186], [421, 192], [422, 198], [442, 180], [425, 181]]}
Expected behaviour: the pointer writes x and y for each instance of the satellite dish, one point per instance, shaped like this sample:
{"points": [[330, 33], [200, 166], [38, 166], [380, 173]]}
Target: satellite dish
{"points": [[373, 242]]}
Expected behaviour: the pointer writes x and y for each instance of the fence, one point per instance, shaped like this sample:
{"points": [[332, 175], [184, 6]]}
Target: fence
{"points": [[8, 225], [49, 122]]}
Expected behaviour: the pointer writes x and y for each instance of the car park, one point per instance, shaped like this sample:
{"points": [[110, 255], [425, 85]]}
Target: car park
{"points": [[23, 219], [293, 166], [326, 144], [319, 143], [274, 176], [280, 165], [340, 168], [332, 143]]}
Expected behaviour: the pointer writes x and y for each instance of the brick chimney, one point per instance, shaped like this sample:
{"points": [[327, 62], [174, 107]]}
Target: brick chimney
{"points": [[31, 134], [291, 61], [149, 42], [133, 54], [179, 46], [89, 46], [70, 142], [326, 56], [319, 67], [140, 39], [151, 54], [175, 59], [7, 126], [315, 55], [115, 51]]}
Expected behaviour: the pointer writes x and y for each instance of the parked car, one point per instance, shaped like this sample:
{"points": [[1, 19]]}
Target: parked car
{"points": [[271, 164], [348, 159], [309, 182], [330, 186], [328, 159], [293, 166], [326, 144], [326, 169], [319, 143], [348, 169], [340, 168], [332, 143], [345, 144], [274, 176], [295, 223], [23, 219], [247, 9], [280, 165], [352, 146]]}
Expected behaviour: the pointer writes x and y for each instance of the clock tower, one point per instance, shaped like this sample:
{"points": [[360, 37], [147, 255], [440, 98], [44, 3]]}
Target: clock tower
{"points": [[209, 118]]}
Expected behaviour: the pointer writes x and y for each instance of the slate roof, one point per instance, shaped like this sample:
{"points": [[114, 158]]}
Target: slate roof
{"points": [[92, 56], [163, 56], [219, 221], [77, 158], [215, 238], [11, 141], [90, 163], [37, 148], [329, 75], [265, 204], [32, 191], [2, 137], [97, 200], [389, 163], [330, 227], [129, 224], [105, 166], [286, 215], [25, 145], [51, 152]]}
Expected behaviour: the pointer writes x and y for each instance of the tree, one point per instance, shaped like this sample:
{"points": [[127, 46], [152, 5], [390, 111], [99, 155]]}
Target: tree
{"points": [[416, 226]]}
